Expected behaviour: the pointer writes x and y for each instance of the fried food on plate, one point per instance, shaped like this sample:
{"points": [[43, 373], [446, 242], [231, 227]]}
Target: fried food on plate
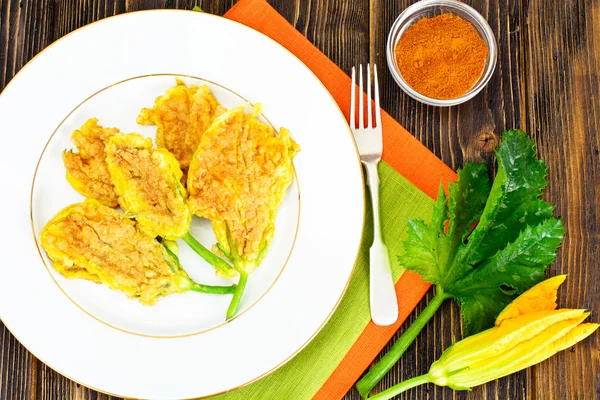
{"points": [[91, 241], [182, 115], [87, 171], [148, 182], [237, 179]]}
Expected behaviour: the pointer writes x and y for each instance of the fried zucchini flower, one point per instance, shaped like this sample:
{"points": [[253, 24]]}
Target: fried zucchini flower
{"points": [[237, 179], [182, 115], [148, 182], [91, 241], [528, 331], [87, 171]]}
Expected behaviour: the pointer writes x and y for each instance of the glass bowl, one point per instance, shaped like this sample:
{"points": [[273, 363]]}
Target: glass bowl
{"points": [[432, 8]]}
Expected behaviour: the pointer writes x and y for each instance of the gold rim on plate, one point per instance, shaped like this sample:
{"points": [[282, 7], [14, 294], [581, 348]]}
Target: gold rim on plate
{"points": [[82, 308]]}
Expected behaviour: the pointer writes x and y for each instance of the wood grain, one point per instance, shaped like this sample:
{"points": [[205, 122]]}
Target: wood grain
{"points": [[546, 82], [563, 65]]}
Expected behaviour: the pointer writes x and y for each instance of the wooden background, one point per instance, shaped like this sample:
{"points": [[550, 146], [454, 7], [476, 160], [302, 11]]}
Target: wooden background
{"points": [[546, 82]]}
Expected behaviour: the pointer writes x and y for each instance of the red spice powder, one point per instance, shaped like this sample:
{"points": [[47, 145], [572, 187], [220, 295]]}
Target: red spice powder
{"points": [[441, 57]]}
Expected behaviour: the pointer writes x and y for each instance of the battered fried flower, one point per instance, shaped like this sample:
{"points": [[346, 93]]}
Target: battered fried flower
{"points": [[91, 241], [182, 115], [148, 184], [87, 171], [237, 179]]}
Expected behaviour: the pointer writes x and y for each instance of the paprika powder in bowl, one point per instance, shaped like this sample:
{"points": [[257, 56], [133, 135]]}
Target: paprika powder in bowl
{"points": [[441, 52]]}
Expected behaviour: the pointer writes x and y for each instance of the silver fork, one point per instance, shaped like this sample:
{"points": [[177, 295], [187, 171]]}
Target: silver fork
{"points": [[382, 294]]}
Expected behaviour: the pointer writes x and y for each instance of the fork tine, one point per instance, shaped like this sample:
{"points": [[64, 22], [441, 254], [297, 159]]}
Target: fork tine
{"points": [[361, 113], [369, 105], [377, 109], [353, 100]]}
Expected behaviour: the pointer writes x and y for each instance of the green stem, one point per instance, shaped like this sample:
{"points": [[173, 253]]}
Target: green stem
{"points": [[198, 287], [368, 382], [237, 296], [217, 262], [401, 387]]}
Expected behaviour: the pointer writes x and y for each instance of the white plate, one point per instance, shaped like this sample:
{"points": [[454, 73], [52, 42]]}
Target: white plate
{"points": [[181, 347]]}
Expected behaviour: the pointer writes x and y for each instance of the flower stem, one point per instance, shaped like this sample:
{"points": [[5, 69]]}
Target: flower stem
{"points": [[217, 262], [237, 296], [368, 382], [198, 287], [401, 387]]}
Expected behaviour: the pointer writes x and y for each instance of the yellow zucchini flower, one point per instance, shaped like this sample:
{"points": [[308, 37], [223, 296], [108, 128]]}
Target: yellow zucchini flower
{"points": [[528, 331], [86, 169], [148, 182], [182, 115], [237, 179], [91, 241]]}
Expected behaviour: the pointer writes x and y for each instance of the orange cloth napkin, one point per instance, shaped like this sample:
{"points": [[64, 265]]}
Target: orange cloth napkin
{"points": [[401, 151]]}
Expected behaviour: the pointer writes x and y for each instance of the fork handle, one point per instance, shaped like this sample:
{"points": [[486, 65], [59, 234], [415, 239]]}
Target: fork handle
{"points": [[382, 293]]}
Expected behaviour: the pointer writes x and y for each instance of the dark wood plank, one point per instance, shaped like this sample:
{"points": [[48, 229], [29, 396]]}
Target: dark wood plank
{"points": [[18, 378], [563, 64], [339, 29]]}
